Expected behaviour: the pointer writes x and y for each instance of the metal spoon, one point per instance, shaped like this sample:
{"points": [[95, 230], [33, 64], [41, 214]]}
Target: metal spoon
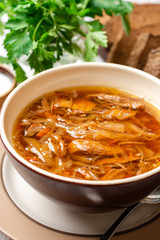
{"points": [[110, 232], [153, 198]]}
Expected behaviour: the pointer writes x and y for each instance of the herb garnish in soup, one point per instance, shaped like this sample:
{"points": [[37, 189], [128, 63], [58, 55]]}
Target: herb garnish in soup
{"points": [[89, 133]]}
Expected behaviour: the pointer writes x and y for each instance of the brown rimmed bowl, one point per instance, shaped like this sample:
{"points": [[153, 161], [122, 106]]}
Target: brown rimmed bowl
{"points": [[81, 195]]}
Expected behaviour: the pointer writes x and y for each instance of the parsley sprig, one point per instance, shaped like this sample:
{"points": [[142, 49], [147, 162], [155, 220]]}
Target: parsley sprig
{"points": [[44, 29]]}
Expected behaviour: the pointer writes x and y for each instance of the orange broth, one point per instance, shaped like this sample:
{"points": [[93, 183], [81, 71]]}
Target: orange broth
{"points": [[91, 133]]}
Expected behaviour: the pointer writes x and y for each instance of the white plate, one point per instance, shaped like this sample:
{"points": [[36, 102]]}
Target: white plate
{"points": [[47, 213]]}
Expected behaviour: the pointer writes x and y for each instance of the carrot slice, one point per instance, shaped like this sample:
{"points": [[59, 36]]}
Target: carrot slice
{"points": [[42, 132], [83, 104]]}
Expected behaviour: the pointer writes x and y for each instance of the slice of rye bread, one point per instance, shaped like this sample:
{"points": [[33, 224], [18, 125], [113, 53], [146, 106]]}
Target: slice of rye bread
{"points": [[122, 48], [145, 17], [138, 49], [153, 62], [134, 50]]}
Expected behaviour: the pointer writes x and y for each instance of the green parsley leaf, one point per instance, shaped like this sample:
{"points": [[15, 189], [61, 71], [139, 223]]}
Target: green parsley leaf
{"points": [[91, 48], [4, 60], [100, 38], [92, 42], [44, 30], [1, 28], [41, 59], [16, 23], [20, 74], [60, 3], [17, 43], [125, 22], [117, 7]]}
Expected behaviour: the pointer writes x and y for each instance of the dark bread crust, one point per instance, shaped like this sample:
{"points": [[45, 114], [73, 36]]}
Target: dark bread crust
{"points": [[141, 48]]}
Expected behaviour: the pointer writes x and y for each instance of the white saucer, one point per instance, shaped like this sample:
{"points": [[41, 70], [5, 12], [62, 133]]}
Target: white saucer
{"points": [[47, 213]]}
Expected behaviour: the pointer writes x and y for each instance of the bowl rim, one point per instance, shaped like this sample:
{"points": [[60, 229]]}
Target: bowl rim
{"points": [[57, 177], [6, 71]]}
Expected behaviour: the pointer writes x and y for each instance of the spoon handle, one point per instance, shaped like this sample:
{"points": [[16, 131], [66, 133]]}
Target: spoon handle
{"points": [[109, 233]]}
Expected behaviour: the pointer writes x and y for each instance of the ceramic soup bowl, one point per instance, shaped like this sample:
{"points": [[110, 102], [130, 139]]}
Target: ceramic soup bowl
{"points": [[76, 194]]}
